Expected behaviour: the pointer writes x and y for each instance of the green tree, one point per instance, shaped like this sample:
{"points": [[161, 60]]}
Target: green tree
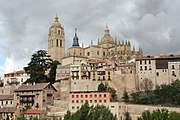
{"points": [[91, 113], [39, 64], [113, 94], [102, 87], [106, 88], [67, 116], [145, 116], [158, 114], [127, 116], [125, 96], [52, 72], [146, 85], [174, 116]]}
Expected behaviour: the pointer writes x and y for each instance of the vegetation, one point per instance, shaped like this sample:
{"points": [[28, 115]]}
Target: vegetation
{"points": [[125, 96], [91, 113], [127, 116], [158, 114], [167, 95], [106, 88], [39, 65], [25, 108]]}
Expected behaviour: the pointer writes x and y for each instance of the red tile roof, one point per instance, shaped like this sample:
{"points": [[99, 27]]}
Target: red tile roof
{"points": [[34, 112]]}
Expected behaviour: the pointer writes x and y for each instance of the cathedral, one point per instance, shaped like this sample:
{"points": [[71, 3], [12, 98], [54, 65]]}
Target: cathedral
{"points": [[106, 48]]}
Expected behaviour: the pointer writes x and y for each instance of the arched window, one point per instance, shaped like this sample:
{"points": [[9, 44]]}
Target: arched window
{"points": [[60, 43], [59, 32], [104, 53], [88, 53], [57, 42], [97, 52]]}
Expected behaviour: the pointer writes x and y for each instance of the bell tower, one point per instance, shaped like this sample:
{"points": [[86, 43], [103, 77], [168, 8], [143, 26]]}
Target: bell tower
{"points": [[56, 41]]}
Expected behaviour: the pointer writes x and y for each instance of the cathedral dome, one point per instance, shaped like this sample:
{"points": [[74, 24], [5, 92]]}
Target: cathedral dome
{"points": [[56, 23]]}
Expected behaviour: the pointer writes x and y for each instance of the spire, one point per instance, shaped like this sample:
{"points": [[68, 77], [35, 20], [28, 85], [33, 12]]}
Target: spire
{"points": [[106, 30], [91, 42], [75, 39]]}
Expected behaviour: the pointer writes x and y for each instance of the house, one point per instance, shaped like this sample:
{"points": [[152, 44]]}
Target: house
{"points": [[39, 114], [37, 95]]}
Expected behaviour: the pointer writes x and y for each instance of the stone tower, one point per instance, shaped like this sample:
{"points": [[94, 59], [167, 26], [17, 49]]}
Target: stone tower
{"points": [[56, 41]]}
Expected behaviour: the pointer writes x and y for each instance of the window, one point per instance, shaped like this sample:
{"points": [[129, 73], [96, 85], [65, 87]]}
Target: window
{"points": [[173, 67], [103, 77], [81, 101], [150, 68], [72, 101], [99, 95], [58, 32], [145, 68], [95, 101], [145, 62], [173, 73], [112, 106], [90, 101], [104, 101], [81, 96], [77, 107], [95, 95], [11, 102], [6, 102], [88, 53], [77, 96], [104, 95], [72, 96], [149, 61], [73, 107], [157, 74], [140, 62], [77, 101], [60, 43], [86, 96], [57, 42], [100, 101], [97, 52], [104, 53], [90, 96], [141, 68]]}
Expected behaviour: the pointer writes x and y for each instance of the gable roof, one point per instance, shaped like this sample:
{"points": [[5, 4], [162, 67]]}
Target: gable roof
{"points": [[7, 109], [6, 97], [35, 87], [34, 112]]}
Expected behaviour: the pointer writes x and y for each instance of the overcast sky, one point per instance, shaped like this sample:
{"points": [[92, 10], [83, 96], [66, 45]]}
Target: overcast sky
{"points": [[152, 24]]}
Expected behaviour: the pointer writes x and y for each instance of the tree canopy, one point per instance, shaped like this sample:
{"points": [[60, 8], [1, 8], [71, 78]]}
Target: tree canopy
{"points": [[39, 66], [106, 88], [167, 95], [86, 112], [159, 114]]}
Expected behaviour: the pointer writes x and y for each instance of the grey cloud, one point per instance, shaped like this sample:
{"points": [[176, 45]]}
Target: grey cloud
{"points": [[150, 23]]}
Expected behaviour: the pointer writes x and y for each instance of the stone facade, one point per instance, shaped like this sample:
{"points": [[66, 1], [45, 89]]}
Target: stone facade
{"points": [[38, 96], [56, 41]]}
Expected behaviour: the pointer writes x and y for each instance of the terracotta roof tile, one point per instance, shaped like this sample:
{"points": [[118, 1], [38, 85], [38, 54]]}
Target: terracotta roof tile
{"points": [[34, 112]]}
